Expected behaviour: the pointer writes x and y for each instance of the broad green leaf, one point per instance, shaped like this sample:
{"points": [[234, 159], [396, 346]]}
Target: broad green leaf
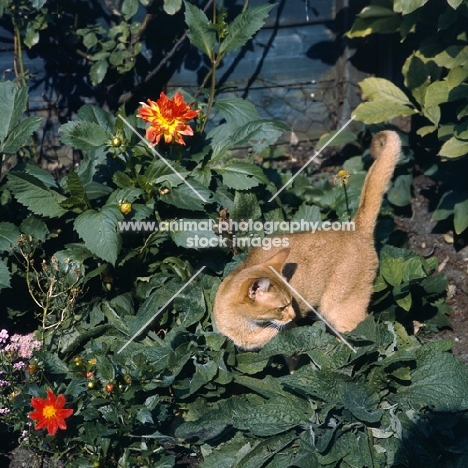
{"points": [[34, 227], [95, 114], [405, 302], [400, 193], [329, 139], [237, 111], [381, 110], [454, 148], [171, 7], [368, 24], [83, 135], [446, 206], [12, 106], [78, 198], [408, 6], [202, 33], [105, 368], [9, 235], [391, 269], [99, 231], [20, 134], [129, 8], [31, 37], [33, 194], [5, 276], [461, 216], [244, 27], [454, 3], [383, 90], [245, 207], [240, 175], [187, 197], [98, 71], [452, 56], [439, 382], [457, 76], [53, 363], [199, 236]]}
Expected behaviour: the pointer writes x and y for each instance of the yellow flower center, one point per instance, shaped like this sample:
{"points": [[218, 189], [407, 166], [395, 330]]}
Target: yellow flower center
{"points": [[49, 411]]}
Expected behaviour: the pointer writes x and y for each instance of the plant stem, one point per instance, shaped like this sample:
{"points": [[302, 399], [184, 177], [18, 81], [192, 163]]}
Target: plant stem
{"points": [[347, 201], [19, 53]]}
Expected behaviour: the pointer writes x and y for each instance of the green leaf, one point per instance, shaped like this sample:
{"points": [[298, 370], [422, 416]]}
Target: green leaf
{"points": [[408, 6], [454, 3], [54, 364], [439, 382], [12, 106], [129, 8], [105, 368], [400, 193], [343, 138], [171, 7], [454, 148], [33, 194], [237, 111], [9, 235], [461, 216], [35, 227], [95, 114], [384, 90], [20, 134], [241, 176], [5, 276], [245, 206], [188, 198], [98, 71], [202, 33], [381, 110], [244, 27], [83, 135], [99, 231], [78, 198]]}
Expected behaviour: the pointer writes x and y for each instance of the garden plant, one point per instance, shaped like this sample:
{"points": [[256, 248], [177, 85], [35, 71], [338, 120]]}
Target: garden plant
{"points": [[108, 355]]}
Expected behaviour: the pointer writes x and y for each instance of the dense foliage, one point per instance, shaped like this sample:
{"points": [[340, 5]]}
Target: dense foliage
{"points": [[116, 317]]}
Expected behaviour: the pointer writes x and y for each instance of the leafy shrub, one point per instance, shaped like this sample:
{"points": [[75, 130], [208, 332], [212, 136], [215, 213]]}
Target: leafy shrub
{"points": [[433, 37], [124, 321]]}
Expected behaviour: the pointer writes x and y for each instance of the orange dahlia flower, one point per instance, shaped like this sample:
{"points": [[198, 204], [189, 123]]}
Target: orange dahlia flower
{"points": [[50, 412], [168, 118]]}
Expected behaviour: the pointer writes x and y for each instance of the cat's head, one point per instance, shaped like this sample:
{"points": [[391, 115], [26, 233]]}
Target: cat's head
{"points": [[258, 304]]}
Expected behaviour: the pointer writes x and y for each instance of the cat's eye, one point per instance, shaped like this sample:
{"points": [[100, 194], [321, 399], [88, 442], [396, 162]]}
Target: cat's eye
{"points": [[282, 309]]}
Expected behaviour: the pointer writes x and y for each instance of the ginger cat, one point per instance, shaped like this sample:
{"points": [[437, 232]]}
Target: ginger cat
{"points": [[332, 270]]}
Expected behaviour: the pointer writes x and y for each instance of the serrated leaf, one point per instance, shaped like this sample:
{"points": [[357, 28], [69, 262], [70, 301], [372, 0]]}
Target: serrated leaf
{"points": [[34, 227], [20, 134], [33, 194], [99, 230], [9, 235], [78, 198], [439, 382], [54, 364], [244, 27], [186, 197], [5, 276], [12, 106], [105, 368], [245, 206], [202, 33], [83, 135], [237, 111], [241, 176], [95, 114]]}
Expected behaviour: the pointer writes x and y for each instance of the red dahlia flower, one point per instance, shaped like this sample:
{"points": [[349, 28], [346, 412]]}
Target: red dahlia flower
{"points": [[168, 118], [50, 412]]}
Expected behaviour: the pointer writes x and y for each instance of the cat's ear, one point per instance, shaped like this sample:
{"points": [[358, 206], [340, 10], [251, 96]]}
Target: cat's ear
{"points": [[278, 260], [258, 287]]}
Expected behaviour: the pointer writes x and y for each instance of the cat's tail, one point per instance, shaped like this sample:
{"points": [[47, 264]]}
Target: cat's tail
{"points": [[385, 149]]}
